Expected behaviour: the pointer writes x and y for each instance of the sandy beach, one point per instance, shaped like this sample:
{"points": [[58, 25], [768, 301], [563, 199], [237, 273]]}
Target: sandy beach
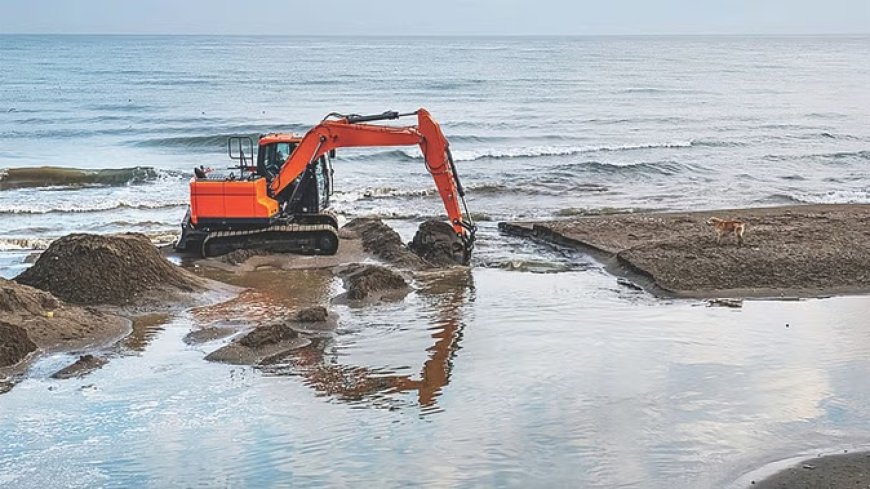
{"points": [[791, 251]]}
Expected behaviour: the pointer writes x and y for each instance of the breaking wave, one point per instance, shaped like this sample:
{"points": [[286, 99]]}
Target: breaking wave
{"points": [[380, 193], [219, 140], [535, 151], [563, 172], [107, 205], [831, 197], [51, 176], [596, 211], [25, 244], [15, 244], [828, 157]]}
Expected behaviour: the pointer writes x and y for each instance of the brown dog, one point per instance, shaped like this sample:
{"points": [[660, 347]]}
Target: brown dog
{"points": [[727, 226]]}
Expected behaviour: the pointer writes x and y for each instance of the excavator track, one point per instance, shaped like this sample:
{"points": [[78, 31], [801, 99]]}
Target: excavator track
{"points": [[307, 239]]}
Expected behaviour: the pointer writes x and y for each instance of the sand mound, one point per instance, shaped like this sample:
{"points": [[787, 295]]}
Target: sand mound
{"points": [[270, 343], [316, 314], [15, 345], [50, 323], [266, 335], [17, 299], [372, 282], [264, 344], [83, 366], [385, 243], [94, 269], [437, 243]]}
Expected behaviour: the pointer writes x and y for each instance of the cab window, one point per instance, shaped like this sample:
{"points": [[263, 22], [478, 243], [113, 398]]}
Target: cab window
{"points": [[273, 157]]}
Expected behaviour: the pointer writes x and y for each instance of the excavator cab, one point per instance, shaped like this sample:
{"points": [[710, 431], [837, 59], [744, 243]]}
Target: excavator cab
{"points": [[310, 192], [271, 156]]}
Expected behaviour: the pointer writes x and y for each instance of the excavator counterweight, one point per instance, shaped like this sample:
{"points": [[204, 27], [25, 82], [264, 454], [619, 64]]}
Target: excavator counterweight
{"points": [[281, 203]]}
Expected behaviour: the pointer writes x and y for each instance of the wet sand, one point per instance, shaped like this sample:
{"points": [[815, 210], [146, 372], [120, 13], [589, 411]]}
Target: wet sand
{"points": [[792, 251], [35, 322], [846, 471], [86, 295]]}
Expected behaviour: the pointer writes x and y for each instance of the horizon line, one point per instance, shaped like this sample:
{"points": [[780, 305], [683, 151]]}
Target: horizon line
{"points": [[446, 36]]}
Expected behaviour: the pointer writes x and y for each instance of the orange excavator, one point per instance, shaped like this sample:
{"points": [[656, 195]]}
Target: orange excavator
{"points": [[280, 202]]}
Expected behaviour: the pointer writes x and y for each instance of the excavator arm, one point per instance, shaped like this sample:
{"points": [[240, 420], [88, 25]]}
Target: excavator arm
{"points": [[346, 131]]}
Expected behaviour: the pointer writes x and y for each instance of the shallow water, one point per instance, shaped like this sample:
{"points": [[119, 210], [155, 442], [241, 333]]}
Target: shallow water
{"points": [[499, 377]]}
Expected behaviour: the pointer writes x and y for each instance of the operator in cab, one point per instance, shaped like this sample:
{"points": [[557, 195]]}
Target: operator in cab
{"points": [[273, 158]]}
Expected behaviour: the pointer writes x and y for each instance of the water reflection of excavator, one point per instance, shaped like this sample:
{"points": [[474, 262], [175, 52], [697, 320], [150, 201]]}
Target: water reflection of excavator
{"points": [[281, 203], [355, 383]]}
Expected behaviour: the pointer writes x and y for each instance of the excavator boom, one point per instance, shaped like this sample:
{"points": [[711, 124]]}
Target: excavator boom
{"points": [[354, 131]]}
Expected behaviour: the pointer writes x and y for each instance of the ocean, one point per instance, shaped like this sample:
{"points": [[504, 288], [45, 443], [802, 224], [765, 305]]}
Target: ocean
{"points": [[539, 369], [540, 127]]}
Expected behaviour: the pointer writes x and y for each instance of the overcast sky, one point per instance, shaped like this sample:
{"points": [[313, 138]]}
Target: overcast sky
{"points": [[436, 17]]}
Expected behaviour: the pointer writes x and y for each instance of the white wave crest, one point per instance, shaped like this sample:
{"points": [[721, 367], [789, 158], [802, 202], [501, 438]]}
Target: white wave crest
{"points": [[14, 244], [835, 197], [25, 244], [528, 151], [380, 193], [76, 207], [540, 151]]}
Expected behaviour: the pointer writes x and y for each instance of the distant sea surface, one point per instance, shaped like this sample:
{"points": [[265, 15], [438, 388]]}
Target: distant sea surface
{"points": [[541, 127]]}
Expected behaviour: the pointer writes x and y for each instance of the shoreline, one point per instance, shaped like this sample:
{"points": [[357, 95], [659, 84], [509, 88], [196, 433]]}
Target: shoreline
{"points": [[840, 470], [790, 252]]}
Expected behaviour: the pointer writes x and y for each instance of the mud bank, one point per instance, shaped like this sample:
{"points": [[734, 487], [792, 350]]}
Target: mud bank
{"points": [[846, 471], [272, 342], [792, 251], [35, 321], [81, 295]]}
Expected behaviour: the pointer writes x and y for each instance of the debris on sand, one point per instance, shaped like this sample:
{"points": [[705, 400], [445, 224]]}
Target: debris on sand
{"points": [[118, 270], [733, 303], [53, 324], [372, 282], [437, 243], [83, 366], [262, 345], [15, 345], [628, 284], [382, 241], [237, 257]]}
